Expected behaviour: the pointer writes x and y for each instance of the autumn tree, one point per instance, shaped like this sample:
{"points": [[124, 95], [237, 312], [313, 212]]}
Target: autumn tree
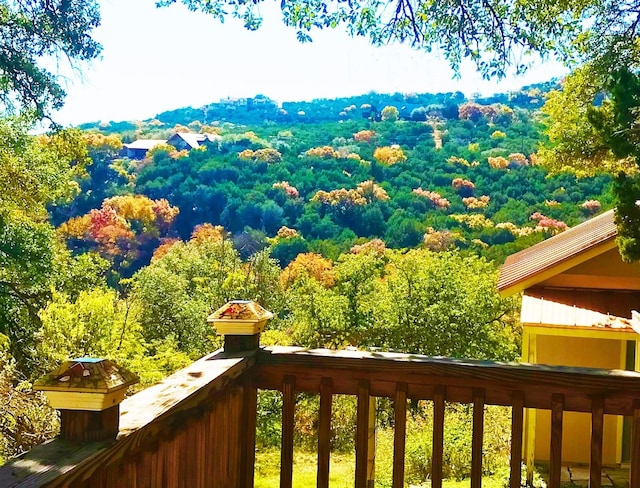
{"points": [[389, 155], [122, 227]]}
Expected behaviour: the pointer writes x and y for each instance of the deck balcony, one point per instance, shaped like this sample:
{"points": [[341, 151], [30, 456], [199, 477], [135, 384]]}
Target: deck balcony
{"points": [[197, 428]]}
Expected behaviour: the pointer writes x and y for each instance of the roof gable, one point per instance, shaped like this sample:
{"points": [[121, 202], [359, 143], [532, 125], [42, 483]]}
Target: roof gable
{"points": [[557, 254], [190, 138]]}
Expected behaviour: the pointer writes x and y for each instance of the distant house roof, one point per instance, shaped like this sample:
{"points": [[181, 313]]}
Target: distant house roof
{"points": [[193, 140], [145, 143], [557, 254]]}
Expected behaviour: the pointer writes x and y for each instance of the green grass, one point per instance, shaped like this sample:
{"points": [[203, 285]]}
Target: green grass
{"points": [[341, 472]]}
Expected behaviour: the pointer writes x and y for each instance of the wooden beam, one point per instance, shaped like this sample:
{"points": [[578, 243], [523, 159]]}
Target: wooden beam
{"points": [[288, 415], [593, 281], [529, 347], [324, 433], [517, 411], [399, 434]]}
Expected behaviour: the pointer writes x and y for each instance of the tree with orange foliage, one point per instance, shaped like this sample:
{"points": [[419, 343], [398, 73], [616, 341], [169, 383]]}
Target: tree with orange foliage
{"points": [[208, 232], [324, 152], [434, 197], [309, 265], [364, 136], [463, 187], [291, 191], [122, 228], [498, 162]]}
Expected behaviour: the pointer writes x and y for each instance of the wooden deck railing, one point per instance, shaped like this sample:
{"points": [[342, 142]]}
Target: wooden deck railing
{"points": [[197, 428], [480, 383]]}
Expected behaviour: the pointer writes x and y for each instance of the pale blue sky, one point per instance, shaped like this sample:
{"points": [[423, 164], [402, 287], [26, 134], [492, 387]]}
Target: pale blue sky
{"points": [[161, 59]]}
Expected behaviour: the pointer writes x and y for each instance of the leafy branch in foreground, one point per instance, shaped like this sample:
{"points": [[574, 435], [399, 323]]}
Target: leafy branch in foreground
{"points": [[32, 31]]}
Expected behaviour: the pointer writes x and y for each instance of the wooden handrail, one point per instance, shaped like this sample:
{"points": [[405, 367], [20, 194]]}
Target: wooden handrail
{"points": [[461, 376]]}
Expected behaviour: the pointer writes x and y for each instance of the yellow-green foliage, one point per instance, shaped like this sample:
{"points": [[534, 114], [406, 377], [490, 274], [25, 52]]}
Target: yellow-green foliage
{"points": [[100, 324], [26, 420]]}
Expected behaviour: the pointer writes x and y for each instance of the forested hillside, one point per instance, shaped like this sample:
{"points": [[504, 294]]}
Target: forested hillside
{"points": [[432, 170]]}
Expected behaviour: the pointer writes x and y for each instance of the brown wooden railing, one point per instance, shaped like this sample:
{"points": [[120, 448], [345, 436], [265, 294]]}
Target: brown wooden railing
{"points": [[197, 428]]}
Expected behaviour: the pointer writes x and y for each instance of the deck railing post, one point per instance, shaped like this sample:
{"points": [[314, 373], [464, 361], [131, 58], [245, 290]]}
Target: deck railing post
{"points": [[241, 343]]}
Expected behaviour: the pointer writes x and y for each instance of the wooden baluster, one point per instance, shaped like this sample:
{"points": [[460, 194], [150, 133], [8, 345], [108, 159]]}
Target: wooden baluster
{"points": [[248, 429], [555, 463], [371, 448], [399, 434], [597, 423], [634, 472], [324, 432], [477, 438], [288, 411], [362, 434], [517, 410], [438, 436]]}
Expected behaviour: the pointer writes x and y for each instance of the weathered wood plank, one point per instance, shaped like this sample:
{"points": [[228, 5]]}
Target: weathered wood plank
{"points": [[477, 438], [597, 426], [438, 436], [555, 461], [324, 432], [399, 434], [212, 442], [362, 434], [517, 417], [235, 437], [288, 413]]}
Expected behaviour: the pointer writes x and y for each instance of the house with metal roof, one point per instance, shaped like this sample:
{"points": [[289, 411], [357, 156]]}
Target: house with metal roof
{"points": [[577, 303], [138, 149]]}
